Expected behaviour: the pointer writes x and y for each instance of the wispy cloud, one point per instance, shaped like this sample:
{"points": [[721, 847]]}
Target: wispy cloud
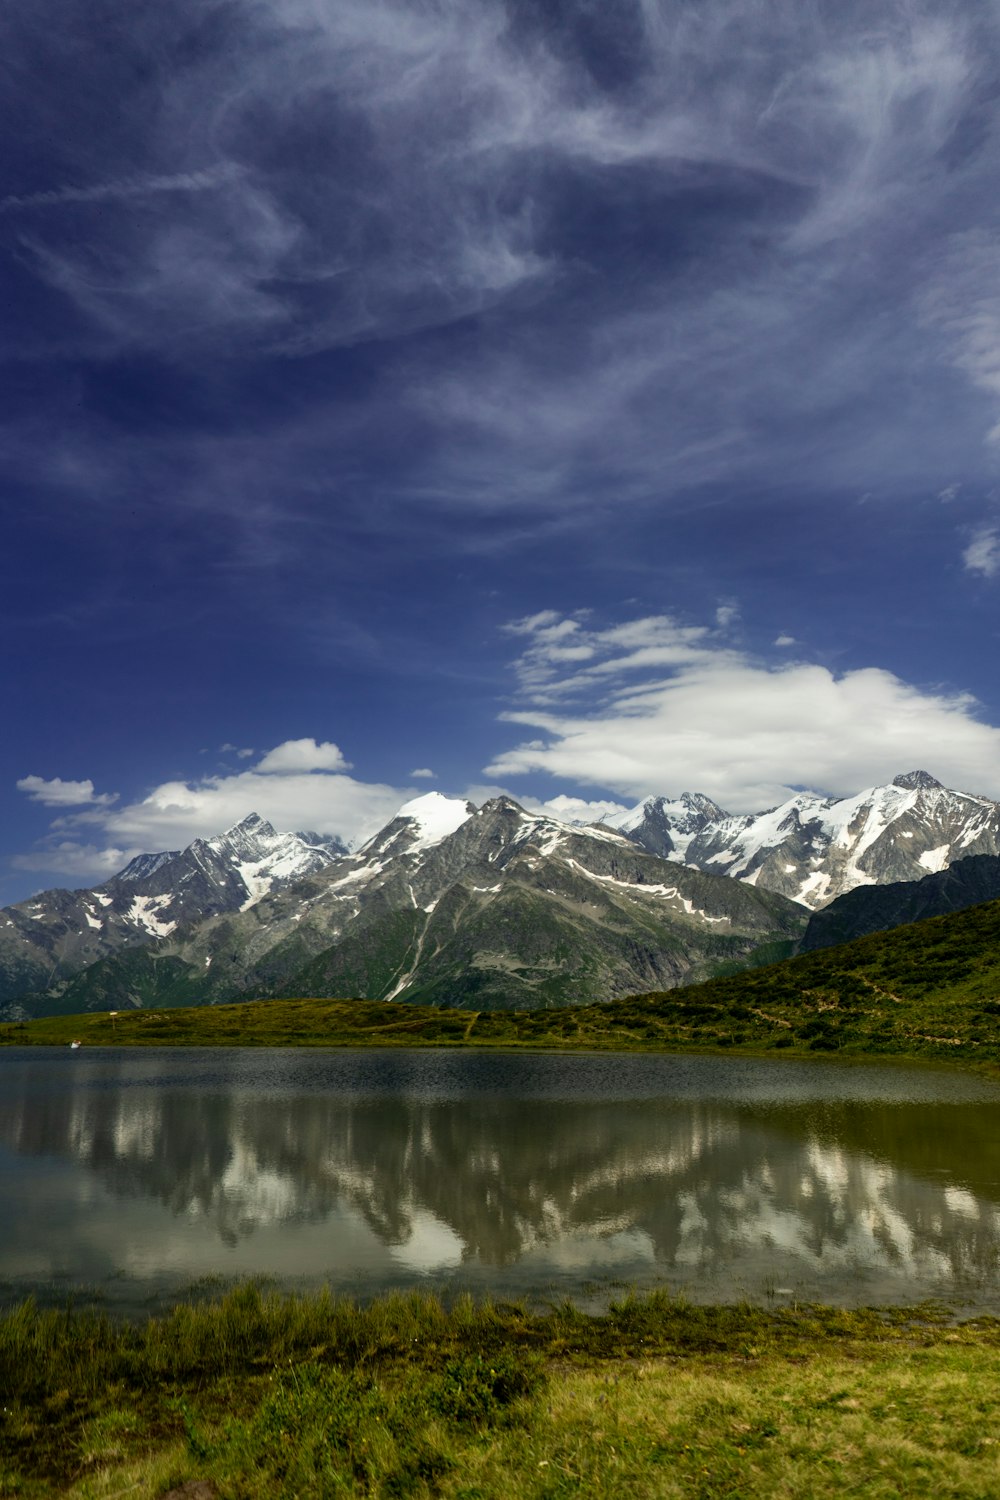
{"points": [[124, 188], [663, 708], [982, 555]]}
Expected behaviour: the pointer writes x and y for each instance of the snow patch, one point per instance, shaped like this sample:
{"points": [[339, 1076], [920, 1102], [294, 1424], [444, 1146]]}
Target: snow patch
{"points": [[669, 891], [435, 816], [143, 912], [813, 888], [92, 921], [935, 859]]}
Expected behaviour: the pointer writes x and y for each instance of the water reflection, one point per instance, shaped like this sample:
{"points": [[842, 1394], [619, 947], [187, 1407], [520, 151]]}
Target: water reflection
{"points": [[723, 1178]]}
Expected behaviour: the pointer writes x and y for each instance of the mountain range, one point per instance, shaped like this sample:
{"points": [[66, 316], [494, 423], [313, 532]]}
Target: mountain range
{"points": [[487, 907], [813, 848], [454, 905]]}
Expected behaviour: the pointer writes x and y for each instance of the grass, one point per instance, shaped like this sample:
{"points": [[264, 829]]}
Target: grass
{"points": [[929, 991], [261, 1395]]}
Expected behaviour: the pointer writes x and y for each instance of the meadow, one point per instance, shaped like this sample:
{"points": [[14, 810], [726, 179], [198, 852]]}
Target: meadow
{"points": [[255, 1395]]}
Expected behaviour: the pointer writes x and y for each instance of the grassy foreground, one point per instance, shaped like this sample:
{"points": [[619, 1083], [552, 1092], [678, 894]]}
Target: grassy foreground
{"points": [[261, 1395]]}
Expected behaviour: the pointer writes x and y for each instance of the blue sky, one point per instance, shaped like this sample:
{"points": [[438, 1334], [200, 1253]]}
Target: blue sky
{"points": [[588, 400]]}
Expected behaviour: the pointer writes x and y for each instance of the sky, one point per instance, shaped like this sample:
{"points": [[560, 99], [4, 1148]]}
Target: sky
{"points": [[588, 401]]}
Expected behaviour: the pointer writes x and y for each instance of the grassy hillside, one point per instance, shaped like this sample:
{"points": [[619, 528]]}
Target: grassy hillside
{"points": [[930, 990]]}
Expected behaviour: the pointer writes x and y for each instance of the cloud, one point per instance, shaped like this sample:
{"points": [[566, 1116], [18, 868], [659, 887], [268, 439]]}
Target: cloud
{"points": [[982, 555], [59, 793], [962, 302], [129, 187], [294, 756], [785, 640], [576, 809], [424, 773], [299, 784], [662, 708], [241, 754]]}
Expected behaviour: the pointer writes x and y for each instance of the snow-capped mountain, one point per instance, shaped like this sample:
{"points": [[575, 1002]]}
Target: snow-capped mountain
{"points": [[491, 906], [667, 827], [814, 848], [59, 932], [451, 905]]}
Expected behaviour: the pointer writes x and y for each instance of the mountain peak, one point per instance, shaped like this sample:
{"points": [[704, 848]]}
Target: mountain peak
{"points": [[503, 804], [253, 823], [436, 816], [915, 781]]}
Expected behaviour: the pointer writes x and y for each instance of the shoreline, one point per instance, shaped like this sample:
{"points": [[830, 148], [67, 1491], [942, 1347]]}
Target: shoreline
{"points": [[365, 1024]]}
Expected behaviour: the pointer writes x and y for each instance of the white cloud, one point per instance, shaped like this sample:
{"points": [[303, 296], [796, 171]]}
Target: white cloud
{"points": [[575, 809], [298, 784], [241, 754], [423, 773], [302, 755], [785, 640], [982, 555], [59, 793], [684, 713]]}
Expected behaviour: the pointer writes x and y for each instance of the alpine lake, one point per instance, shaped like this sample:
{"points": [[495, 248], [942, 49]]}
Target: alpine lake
{"points": [[132, 1178]]}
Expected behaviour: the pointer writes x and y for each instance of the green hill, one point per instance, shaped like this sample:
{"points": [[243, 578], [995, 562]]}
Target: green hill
{"points": [[928, 990]]}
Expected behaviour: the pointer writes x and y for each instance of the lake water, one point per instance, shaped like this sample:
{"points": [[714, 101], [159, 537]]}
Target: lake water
{"points": [[130, 1175]]}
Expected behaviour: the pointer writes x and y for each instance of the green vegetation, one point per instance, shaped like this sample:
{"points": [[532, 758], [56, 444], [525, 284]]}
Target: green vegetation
{"points": [[261, 1395], [931, 990]]}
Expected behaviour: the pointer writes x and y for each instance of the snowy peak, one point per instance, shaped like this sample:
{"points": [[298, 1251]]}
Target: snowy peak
{"points": [[813, 848], [912, 781], [420, 824], [435, 816], [666, 827]]}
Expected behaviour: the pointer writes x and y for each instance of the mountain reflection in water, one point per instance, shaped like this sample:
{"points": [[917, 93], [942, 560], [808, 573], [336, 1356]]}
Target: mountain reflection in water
{"points": [[716, 1177]]}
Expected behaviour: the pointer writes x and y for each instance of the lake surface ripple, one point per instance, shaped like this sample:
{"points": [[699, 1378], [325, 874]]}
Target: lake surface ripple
{"points": [[130, 1175]]}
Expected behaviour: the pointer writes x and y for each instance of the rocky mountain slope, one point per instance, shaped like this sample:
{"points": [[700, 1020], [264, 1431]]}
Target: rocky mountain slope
{"points": [[813, 849], [454, 905], [57, 933], [877, 908]]}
